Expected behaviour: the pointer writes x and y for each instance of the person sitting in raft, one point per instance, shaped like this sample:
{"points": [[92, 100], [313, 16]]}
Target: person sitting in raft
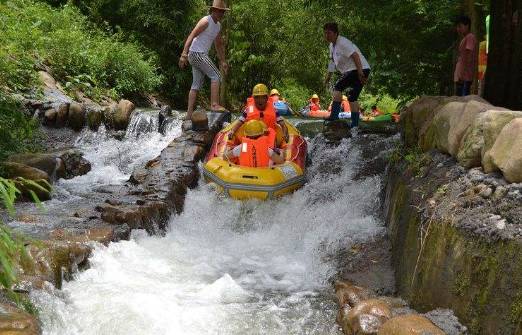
{"points": [[261, 107], [345, 105], [376, 111], [314, 103], [280, 104], [257, 148]]}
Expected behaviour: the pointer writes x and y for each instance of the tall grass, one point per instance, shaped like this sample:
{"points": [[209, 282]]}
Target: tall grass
{"points": [[79, 54]]}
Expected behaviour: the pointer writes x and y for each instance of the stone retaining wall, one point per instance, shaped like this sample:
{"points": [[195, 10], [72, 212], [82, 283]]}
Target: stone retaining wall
{"points": [[469, 129], [456, 233]]}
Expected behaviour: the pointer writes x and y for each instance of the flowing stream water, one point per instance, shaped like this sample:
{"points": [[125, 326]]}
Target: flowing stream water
{"points": [[223, 266]]}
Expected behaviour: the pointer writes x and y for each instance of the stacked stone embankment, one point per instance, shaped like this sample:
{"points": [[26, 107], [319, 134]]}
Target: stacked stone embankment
{"points": [[55, 108], [454, 211], [474, 132]]}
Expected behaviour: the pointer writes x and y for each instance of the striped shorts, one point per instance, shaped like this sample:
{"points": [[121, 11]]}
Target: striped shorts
{"points": [[202, 66]]}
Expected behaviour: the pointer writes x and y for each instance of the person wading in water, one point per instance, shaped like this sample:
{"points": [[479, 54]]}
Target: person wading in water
{"points": [[195, 52], [346, 58]]}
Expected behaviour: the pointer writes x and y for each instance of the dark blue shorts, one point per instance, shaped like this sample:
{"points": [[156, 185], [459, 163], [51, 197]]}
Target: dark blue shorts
{"points": [[463, 88], [350, 80]]}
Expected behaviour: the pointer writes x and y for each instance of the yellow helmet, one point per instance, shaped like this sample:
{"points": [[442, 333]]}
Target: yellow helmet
{"points": [[345, 98], [274, 92], [259, 90], [254, 128], [315, 96]]}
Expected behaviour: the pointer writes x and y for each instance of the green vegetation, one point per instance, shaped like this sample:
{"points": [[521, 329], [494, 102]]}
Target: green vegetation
{"points": [[416, 160], [76, 52], [18, 132], [11, 246], [408, 43], [385, 103]]}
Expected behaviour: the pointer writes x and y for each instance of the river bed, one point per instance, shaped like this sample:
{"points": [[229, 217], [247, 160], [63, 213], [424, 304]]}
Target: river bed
{"points": [[223, 266]]}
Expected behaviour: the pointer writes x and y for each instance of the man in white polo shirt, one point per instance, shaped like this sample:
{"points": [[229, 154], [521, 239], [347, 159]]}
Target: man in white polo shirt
{"points": [[346, 58]]}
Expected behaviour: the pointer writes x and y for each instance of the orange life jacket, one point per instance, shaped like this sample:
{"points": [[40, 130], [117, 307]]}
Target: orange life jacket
{"points": [[345, 106], [268, 116], [314, 106], [254, 152], [483, 60]]}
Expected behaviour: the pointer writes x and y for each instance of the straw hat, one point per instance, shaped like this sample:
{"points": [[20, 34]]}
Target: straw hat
{"points": [[219, 4]]}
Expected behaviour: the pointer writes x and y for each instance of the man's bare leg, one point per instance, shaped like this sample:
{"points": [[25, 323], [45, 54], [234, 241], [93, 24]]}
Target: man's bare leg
{"points": [[193, 94], [214, 96]]}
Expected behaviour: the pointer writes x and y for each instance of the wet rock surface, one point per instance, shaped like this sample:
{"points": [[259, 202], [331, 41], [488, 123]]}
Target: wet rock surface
{"points": [[63, 237], [15, 322], [362, 311]]}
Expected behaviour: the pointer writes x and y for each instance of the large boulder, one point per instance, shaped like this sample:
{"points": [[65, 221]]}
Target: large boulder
{"points": [[481, 135], [75, 164], [349, 294], [76, 116], [54, 261], [122, 114], [446, 130], [436, 134], [50, 117], [49, 163], [62, 115], [14, 321], [417, 117], [506, 154], [199, 121], [461, 122], [366, 317], [94, 118], [409, 325], [47, 80], [14, 170], [108, 115]]}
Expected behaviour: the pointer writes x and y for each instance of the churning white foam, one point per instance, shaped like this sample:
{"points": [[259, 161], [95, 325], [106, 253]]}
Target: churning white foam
{"points": [[113, 160], [228, 267]]}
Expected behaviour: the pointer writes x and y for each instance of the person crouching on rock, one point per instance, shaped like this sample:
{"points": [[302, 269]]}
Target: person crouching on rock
{"points": [[195, 52], [261, 107], [257, 148]]}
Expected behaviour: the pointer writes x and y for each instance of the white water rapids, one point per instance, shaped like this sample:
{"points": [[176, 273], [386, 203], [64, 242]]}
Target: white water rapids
{"points": [[223, 267]]}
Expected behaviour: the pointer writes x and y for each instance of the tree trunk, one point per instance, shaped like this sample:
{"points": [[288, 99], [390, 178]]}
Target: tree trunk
{"points": [[504, 71]]}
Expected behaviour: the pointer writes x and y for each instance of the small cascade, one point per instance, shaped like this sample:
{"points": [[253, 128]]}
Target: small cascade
{"points": [[230, 267], [142, 121]]}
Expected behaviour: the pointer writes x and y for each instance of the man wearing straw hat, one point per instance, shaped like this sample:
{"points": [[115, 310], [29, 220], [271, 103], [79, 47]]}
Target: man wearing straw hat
{"points": [[195, 52]]}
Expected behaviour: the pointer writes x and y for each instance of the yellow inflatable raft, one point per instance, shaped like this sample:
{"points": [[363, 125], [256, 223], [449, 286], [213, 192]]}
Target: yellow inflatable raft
{"points": [[242, 182]]}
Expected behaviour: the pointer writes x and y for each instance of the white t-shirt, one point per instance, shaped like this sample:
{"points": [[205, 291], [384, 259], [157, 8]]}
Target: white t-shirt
{"points": [[203, 41], [340, 56]]}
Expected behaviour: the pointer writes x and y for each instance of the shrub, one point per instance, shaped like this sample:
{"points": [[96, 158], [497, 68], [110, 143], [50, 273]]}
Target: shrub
{"points": [[18, 132], [78, 54]]}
